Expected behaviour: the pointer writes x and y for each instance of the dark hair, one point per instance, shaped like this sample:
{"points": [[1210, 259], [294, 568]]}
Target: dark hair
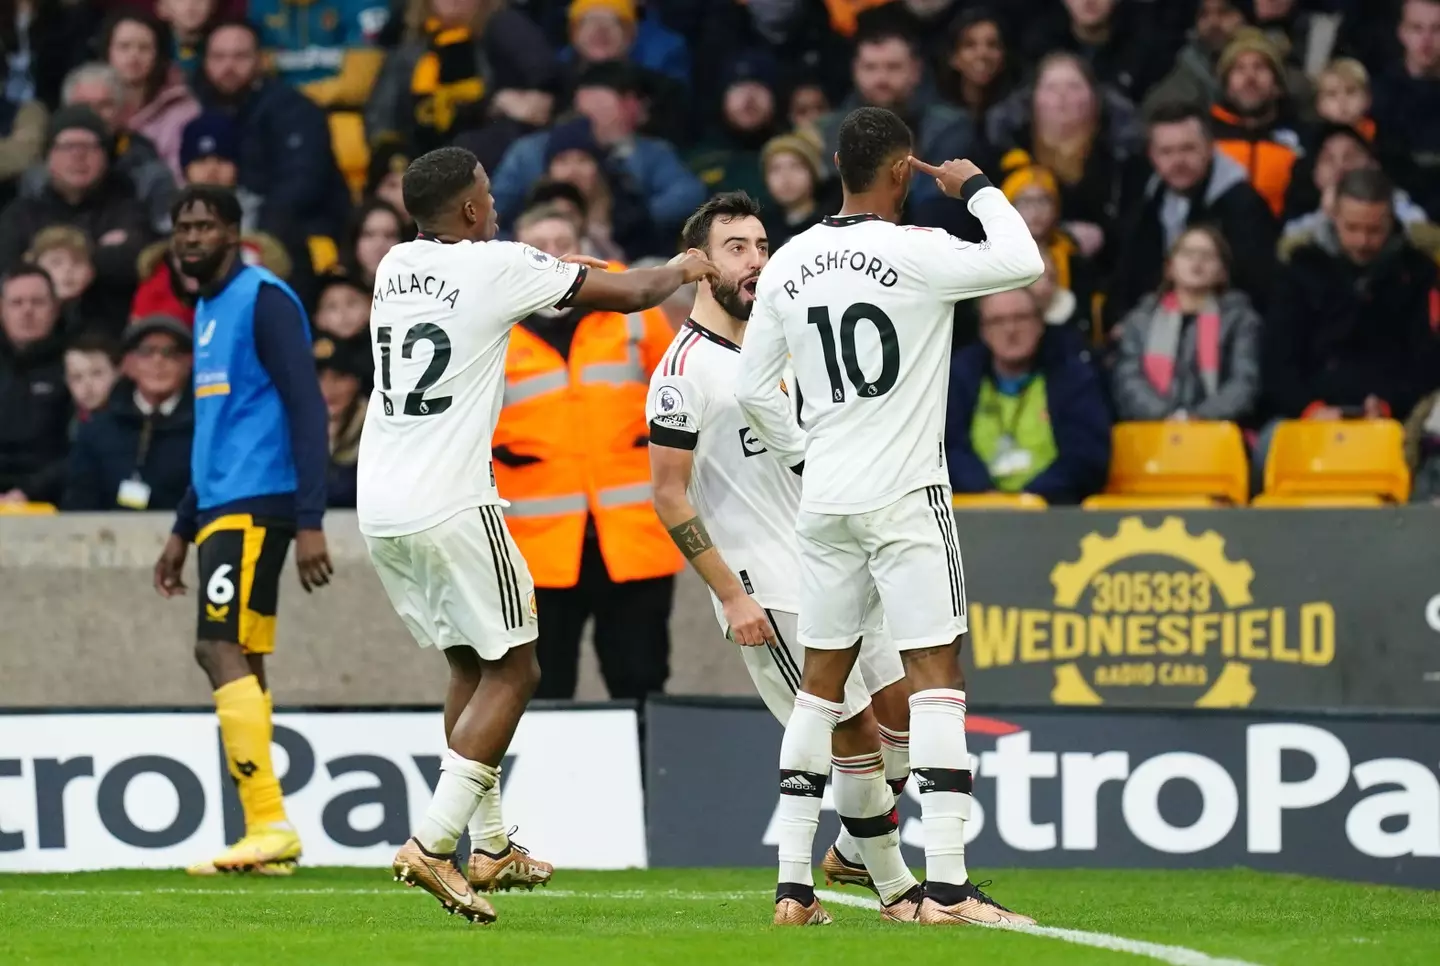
{"points": [[1222, 251], [219, 201], [28, 271], [884, 34], [728, 205], [868, 138], [546, 191], [94, 340], [159, 30], [362, 213], [1178, 112], [224, 22], [1368, 185], [435, 179]]}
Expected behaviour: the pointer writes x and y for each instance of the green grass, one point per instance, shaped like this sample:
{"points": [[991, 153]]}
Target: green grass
{"points": [[687, 918]]}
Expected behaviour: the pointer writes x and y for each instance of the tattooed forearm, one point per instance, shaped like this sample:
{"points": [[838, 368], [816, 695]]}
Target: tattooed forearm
{"points": [[691, 538]]}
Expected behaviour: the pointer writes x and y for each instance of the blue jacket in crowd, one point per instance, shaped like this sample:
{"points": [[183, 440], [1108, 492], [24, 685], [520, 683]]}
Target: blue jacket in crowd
{"points": [[1079, 420]]}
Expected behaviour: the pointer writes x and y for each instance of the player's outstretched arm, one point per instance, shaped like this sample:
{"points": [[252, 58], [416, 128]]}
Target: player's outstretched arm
{"points": [[757, 389], [670, 469], [1008, 259], [641, 288]]}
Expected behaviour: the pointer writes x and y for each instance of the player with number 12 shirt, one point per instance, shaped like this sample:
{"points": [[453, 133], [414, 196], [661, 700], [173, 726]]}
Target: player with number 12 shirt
{"points": [[864, 308], [444, 305]]}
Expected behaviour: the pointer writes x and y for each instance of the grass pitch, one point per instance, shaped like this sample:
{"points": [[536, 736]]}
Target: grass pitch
{"points": [[686, 918]]}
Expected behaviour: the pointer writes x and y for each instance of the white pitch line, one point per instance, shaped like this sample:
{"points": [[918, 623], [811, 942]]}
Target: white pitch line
{"points": [[264, 893], [1174, 955]]}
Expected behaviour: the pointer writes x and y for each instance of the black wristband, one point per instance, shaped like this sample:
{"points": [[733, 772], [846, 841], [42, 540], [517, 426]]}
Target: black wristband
{"points": [[974, 184]]}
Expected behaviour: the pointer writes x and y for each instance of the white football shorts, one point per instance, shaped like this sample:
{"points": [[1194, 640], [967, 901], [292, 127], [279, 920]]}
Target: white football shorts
{"points": [[907, 551], [777, 669], [460, 582]]}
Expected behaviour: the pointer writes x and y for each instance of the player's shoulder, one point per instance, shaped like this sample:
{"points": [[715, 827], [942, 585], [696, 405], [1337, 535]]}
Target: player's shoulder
{"points": [[693, 356]]}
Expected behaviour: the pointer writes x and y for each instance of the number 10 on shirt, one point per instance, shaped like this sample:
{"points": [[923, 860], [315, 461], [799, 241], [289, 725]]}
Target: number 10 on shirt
{"points": [[819, 316]]}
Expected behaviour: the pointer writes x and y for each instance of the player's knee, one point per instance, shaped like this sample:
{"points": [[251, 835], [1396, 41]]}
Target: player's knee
{"points": [[525, 671], [222, 661]]}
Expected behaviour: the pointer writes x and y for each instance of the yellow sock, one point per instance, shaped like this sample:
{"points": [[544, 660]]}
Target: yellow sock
{"points": [[269, 715], [245, 731]]}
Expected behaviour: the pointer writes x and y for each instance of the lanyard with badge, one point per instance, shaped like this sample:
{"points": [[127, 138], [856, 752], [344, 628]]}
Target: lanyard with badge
{"points": [[134, 493], [1010, 459]]}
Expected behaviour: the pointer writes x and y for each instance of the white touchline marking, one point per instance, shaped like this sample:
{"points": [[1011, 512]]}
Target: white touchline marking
{"points": [[262, 892], [1174, 955]]}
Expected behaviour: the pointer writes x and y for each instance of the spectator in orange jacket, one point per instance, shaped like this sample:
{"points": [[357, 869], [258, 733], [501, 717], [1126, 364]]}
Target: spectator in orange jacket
{"points": [[1253, 118]]}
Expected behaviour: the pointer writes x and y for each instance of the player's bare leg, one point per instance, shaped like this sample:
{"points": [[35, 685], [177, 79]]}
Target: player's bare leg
{"points": [[890, 707], [479, 733], [495, 863], [941, 763], [270, 845]]}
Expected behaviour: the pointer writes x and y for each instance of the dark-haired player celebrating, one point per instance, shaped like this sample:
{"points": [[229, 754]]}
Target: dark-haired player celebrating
{"points": [[864, 309], [257, 471], [730, 506], [444, 305]]}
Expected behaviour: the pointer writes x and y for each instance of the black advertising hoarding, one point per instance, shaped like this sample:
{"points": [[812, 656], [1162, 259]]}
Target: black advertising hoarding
{"points": [[1264, 609], [1343, 797]]}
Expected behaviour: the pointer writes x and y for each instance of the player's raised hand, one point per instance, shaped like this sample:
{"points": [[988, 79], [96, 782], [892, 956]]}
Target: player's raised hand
{"points": [[586, 260], [749, 625], [695, 266], [168, 567], [950, 177]]}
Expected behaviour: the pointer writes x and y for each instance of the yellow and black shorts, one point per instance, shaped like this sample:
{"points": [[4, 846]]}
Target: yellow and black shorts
{"points": [[241, 558]]}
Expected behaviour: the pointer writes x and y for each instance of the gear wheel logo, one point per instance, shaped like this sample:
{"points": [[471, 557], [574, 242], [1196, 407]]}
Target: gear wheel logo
{"points": [[1203, 566]]}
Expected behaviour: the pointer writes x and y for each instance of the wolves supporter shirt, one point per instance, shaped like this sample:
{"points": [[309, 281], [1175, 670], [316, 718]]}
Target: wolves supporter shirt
{"points": [[440, 322], [865, 308]]}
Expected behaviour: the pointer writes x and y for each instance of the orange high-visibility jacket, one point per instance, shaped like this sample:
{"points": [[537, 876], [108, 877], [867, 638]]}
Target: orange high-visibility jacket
{"points": [[1267, 156], [575, 435]]}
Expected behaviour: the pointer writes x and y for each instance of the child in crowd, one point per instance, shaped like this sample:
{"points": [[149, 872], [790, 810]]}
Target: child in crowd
{"points": [[90, 374], [791, 166], [1342, 96], [343, 308], [1035, 193]]}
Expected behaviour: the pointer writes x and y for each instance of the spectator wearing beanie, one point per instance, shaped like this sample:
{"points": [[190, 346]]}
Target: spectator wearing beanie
{"points": [[792, 170], [326, 49], [1035, 193], [728, 159], [135, 453], [82, 190], [609, 95], [1253, 120], [464, 67]]}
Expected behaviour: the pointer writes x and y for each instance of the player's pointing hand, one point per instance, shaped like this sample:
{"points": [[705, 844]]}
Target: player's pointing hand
{"points": [[950, 177]]}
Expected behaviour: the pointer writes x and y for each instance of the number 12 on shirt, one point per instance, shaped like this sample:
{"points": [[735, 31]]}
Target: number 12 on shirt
{"points": [[819, 316], [415, 402]]}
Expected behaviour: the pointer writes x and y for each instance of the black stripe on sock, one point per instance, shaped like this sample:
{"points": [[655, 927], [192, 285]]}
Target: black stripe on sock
{"points": [[934, 494], [803, 894], [873, 827], [943, 780], [802, 784], [504, 572]]}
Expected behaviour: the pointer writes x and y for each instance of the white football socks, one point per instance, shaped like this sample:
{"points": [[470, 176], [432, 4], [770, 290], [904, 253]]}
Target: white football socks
{"points": [[461, 786], [867, 810], [941, 765], [895, 749], [487, 825], [804, 769]]}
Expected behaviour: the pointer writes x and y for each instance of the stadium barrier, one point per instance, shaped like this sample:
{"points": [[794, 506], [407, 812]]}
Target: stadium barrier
{"points": [[1342, 796], [82, 791], [1267, 609]]}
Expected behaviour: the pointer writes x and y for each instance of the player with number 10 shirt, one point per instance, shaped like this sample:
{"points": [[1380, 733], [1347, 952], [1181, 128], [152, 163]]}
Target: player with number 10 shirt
{"points": [[428, 508]]}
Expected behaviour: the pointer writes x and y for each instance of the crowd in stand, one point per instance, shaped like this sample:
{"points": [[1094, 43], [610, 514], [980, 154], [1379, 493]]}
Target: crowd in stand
{"points": [[1236, 199]]}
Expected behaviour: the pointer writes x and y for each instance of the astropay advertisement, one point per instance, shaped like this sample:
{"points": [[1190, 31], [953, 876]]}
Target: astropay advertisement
{"points": [[112, 791], [1351, 798]]}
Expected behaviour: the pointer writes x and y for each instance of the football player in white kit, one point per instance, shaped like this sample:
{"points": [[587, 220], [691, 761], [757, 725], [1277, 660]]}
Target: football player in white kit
{"points": [[444, 305], [864, 310], [730, 506]]}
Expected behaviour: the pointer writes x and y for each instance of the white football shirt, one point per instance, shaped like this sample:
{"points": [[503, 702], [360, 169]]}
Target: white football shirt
{"points": [[864, 309], [746, 496], [440, 323]]}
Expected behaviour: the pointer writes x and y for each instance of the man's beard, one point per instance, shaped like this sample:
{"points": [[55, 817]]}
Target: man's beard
{"points": [[728, 297], [206, 268]]}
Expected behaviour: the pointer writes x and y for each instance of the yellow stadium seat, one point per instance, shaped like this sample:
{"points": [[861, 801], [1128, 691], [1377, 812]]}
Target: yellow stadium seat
{"points": [[1271, 501], [352, 153], [1347, 458], [998, 501], [27, 509], [1188, 461], [1122, 501]]}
